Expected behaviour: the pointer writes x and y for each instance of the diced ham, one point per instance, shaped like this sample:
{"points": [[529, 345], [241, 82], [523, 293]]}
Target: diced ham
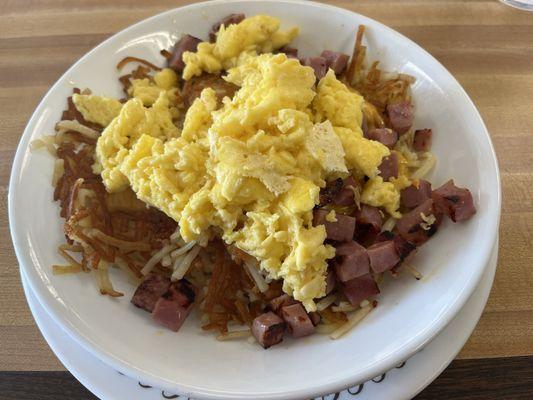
{"points": [[383, 256], [330, 191], [422, 140], [369, 215], [386, 136], [342, 230], [352, 261], [360, 289], [389, 167], [149, 291], [346, 248], [400, 116], [298, 322], [182, 292], [194, 86], [335, 60], [319, 216], [384, 236], [365, 235], [331, 281], [453, 201], [174, 305], [415, 195], [345, 196], [170, 314], [291, 52], [404, 248], [315, 318], [277, 303], [226, 21], [411, 225], [318, 64], [186, 43], [268, 329]]}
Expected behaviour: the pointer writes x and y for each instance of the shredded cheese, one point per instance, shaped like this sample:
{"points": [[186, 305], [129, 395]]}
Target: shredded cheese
{"points": [[353, 320], [158, 256], [428, 221], [77, 127], [326, 302], [184, 266]]}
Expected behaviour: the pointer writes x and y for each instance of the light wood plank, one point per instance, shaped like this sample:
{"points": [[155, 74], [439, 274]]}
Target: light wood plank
{"points": [[24, 349], [509, 330]]}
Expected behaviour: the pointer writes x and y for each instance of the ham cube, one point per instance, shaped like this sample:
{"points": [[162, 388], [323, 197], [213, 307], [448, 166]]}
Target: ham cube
{"points": [[353, 261], [268, 329], [360, 289], [383, 256]]}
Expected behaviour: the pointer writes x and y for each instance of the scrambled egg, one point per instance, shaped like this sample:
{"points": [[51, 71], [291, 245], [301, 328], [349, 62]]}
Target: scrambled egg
{"points": [[148, 91], [336, 103], [97, 109], [235, 44], [379, 193], [250, 170], [119, 136]]}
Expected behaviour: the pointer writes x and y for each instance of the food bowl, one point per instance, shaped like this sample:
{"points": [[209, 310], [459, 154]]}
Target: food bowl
{"points": [[191, 362]]}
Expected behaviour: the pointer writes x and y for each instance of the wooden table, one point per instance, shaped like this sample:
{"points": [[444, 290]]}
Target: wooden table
{"points": [[487, 46]]}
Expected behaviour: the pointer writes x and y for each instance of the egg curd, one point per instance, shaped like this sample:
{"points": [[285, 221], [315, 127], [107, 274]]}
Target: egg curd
{"points": [[236, 43], [250, 169]]}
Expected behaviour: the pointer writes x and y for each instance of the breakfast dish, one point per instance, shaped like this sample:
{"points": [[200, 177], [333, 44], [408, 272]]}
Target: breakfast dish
{"points": [[267, 192]]}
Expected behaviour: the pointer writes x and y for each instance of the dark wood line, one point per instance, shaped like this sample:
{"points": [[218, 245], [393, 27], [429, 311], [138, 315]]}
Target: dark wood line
{"points": [[484, 379], [42, 386]]}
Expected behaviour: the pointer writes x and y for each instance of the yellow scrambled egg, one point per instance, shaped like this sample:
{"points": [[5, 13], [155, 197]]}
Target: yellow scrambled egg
{"points": [[248, 170], [148, 91], [98, 109], [236, 43]]}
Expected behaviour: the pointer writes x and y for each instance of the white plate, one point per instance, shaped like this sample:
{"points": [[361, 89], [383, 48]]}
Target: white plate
{"points": [[410, 313], [402, 382]]}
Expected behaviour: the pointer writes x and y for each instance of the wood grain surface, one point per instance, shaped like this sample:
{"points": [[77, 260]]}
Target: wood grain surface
{"points": [[486, 45], [481, 379]]}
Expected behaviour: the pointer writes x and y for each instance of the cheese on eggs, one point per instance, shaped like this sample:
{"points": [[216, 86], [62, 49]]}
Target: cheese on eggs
{"points": [[335, 103], [323, 143]]}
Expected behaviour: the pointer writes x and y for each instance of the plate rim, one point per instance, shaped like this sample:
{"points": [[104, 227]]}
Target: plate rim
{"points": [[327, 387]]}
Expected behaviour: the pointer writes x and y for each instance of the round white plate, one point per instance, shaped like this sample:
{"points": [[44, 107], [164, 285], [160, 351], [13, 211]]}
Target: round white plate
{"points": [[402, 382], [410, 313]]}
